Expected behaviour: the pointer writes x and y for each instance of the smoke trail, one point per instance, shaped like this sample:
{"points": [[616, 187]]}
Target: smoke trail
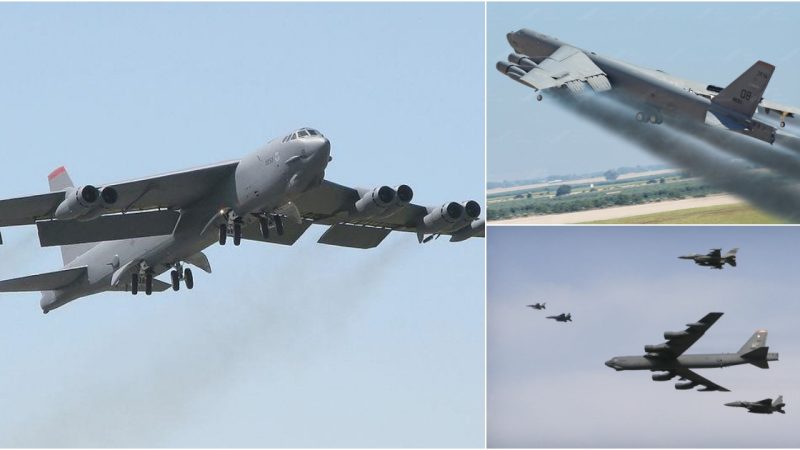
{"points": [[272, 314], [686, 150]]}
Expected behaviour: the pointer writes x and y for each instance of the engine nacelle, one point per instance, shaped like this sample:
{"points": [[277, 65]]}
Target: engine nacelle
{"points": [[404, 195], [443, 217], [468, 231], [685, 386], [472, 209], [522, 60], [511, 70], [376, 201], [78, 202], [660, 348], [674, 334], [664, 376], [108, 196]]}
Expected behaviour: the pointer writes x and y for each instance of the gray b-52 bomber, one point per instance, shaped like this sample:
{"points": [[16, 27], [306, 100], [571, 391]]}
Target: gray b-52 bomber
{"points": [[545, 63], [668, 358], [539, 306], [766, 406], [561, 318], [120, 236], [714, 258]]}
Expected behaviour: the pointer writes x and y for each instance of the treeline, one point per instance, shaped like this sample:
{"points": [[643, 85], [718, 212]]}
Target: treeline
{"points": [[597, 200]]}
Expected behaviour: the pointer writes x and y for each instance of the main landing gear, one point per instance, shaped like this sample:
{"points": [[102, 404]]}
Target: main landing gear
{"points": [[233, 227], [148, 282], [179, 274]]}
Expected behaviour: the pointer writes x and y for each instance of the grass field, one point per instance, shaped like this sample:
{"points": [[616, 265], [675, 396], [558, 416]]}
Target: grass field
{"points": [[740, 213]]}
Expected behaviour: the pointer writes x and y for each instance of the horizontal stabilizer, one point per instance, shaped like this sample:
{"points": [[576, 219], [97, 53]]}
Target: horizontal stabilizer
{"points": [[49, 281], [107, 228], [356, 236]]}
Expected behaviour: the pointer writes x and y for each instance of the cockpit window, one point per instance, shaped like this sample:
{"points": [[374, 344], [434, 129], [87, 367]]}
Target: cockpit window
{"points": [[313, 132], [302, 133]]}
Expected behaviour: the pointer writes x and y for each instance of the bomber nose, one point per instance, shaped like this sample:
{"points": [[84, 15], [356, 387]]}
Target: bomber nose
{"points": [[320, 147], [610, 363]]}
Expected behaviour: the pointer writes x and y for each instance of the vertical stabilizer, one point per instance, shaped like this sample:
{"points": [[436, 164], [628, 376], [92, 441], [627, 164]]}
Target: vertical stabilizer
{"points": [[59, 180], [756, 341]]}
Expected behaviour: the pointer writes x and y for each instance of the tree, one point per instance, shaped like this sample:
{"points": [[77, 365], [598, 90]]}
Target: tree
{"points": [[564, 189], [611, 175]]}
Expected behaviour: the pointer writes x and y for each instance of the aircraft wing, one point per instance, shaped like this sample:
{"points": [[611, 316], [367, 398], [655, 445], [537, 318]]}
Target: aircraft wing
{"points": [[169, 191], [695, 378], [715, 253], [765, 402], [678, 342], [567, 67], [771, 108], [334, 205]]}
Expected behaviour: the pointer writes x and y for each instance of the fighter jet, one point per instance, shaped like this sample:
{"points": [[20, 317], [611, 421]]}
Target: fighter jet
{"points": [[766, 406], [714, 258], [669, 360], [544, 63], [539, 306], [120, 236], [561, 318]]}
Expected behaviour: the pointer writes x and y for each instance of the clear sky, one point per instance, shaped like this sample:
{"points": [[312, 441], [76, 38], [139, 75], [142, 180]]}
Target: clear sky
{"points": [[547, 384], [708, 42], [303, 346]]}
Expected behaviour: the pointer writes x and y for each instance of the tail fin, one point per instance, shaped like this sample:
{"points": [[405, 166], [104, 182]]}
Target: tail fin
{"points": [[59, 180], [744, 94], [778, 402], [755, 350], [730, 257]]}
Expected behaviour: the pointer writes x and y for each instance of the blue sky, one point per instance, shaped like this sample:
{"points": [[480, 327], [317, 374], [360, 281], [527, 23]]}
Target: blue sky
{"points": [[624, 286], [303, 346], [707, 42]]}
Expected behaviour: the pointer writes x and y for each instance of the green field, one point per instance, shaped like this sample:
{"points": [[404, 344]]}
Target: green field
{"points": [[740, 213]]}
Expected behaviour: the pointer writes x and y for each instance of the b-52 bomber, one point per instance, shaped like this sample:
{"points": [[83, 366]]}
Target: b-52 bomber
{"points": [[668, 358], [561, 318], [714, 258], [120, 236], [539, 306], [766, 406], [545, 63]]}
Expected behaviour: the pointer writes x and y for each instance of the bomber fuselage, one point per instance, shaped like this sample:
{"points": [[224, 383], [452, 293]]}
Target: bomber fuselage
{"points": [[263, 181], [699, 361]]}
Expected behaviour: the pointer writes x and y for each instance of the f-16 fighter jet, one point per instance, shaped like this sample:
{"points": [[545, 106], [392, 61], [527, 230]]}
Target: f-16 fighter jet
{"points": [[120, 236], [766, 406], [668, 358], [539, 306], [714, 258], [544, 63], [561, 318]]}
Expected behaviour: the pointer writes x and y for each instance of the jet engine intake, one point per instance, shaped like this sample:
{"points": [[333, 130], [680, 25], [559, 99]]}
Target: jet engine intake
{"points": [[375, 201], [472, 209], [443, 217], [108, 195], [79, 202]]}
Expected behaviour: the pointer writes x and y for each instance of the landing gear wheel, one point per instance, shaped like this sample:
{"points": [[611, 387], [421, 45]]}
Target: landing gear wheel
{"points": [[135, 283], [187, 278], [237, 233], [223, 234], [783, 124], [264, 224], [539, 98], [148, 284], [279, 225], [654, 119], [640, 116], [176, 280]]}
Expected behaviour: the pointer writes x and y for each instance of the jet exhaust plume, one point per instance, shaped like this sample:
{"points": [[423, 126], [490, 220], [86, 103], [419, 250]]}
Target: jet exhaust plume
{"points": [[698, 153]]}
